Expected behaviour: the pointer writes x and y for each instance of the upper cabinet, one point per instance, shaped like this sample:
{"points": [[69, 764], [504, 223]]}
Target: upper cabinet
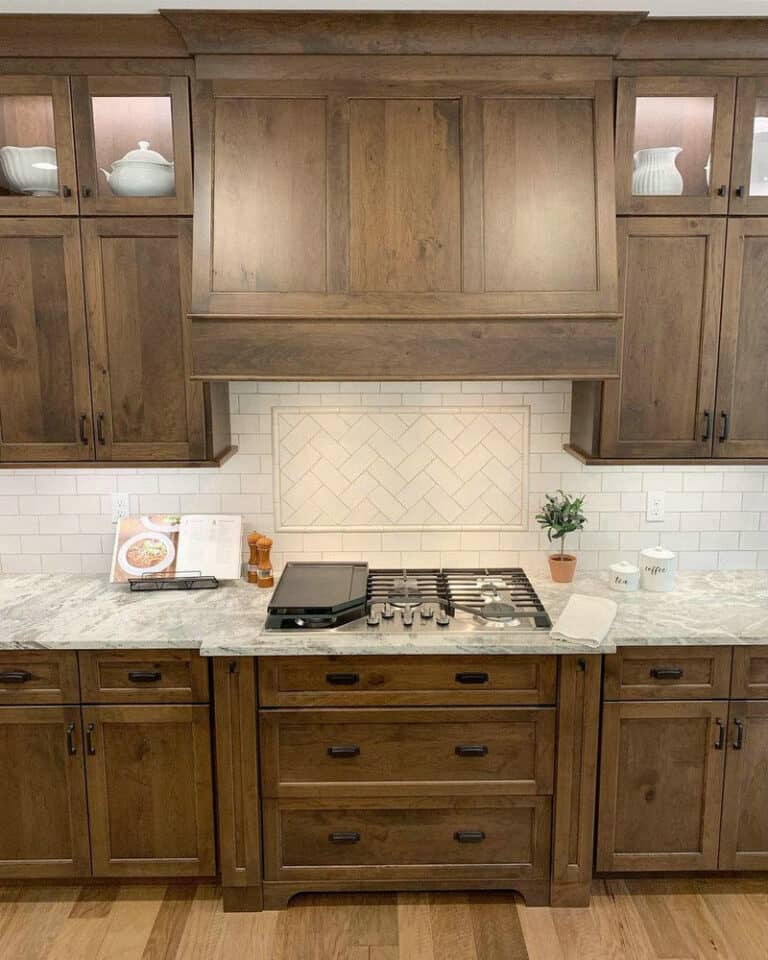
{"points": [[750, 148], [357, 188], [673, 144], [131, 136]]}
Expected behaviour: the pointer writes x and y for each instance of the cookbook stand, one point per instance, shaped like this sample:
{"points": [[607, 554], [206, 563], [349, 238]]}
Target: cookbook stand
{"points": [[184, 580]]}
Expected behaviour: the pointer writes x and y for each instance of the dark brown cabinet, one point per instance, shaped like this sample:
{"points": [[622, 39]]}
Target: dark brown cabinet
{"points": [[44, 831], [744, 830]]}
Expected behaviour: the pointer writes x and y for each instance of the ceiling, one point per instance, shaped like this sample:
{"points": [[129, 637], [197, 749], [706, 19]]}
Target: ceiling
{"points": [[656, 8]]}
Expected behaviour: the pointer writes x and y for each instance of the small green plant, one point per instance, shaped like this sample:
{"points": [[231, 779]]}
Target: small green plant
{"points": [[561, 515]]}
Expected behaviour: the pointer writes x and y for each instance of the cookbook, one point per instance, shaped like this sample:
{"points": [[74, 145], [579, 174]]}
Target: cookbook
{"points": [[168, 545]]}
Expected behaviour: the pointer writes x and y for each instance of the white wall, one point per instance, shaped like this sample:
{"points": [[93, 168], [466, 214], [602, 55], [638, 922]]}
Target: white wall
{"points": [[717, 517]]}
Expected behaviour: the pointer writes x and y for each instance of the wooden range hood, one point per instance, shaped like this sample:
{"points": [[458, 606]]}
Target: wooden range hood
{"points": [[366, 211]]}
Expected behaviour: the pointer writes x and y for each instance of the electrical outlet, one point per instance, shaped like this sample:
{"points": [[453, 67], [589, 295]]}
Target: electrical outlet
{"points": [[654, 506], [121, 506]]}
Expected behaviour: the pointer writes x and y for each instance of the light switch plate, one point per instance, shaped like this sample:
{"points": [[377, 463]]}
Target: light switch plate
{"points": [[121, 506], [654, 506]]}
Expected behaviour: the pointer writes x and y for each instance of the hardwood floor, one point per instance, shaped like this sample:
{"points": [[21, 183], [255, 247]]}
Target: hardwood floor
{"points": [[721, 919]]}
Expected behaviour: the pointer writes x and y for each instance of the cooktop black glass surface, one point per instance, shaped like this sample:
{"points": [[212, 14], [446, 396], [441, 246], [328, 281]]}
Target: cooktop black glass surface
{"points": [[320, 588]]}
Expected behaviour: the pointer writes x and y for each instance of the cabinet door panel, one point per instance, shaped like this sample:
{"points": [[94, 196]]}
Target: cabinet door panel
{"points": [[744, 834], [150, 791], [749, 193], [660, 786], [44, 826], [742, 384], [670, 274], [137, 288], [45, 403]]}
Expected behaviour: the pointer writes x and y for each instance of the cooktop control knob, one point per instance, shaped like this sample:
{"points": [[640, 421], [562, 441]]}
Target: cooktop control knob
{"points": [[442, 619], [373, 619], [387, 611], [426, 613], [408, 617]]}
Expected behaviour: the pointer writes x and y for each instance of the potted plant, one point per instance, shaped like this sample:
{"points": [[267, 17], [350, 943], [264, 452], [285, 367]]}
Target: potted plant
{"points": [[561, 515]]}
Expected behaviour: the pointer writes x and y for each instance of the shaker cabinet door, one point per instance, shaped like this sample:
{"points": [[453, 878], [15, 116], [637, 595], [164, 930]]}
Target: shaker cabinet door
{"points": [[749, 184], [137, 277], [45, 395], [744, 833]]}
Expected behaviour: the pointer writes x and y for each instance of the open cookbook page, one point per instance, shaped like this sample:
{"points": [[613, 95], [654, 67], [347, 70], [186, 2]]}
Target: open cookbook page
{"points": [[164, 545]]}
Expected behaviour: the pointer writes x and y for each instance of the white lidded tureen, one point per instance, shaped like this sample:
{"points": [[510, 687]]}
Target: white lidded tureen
{"points": [[30, 170], [141, 173]]}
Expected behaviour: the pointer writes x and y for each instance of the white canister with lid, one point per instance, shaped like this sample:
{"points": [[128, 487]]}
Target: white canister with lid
{"points": [[657, 569], [624, 576]]}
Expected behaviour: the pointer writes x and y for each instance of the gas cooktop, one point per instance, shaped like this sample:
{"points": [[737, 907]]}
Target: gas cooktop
{"points": [[349, 596]]}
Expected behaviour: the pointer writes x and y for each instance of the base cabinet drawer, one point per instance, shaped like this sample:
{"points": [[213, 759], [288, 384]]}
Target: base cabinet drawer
{"points": [[407, 752], [750, 673], [38, 676], [406, 681], [668, 673], [143, 676], [429, 838]]}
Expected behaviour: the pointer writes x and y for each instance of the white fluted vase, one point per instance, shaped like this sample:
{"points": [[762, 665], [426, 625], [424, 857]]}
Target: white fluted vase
{"points": [[656, 174]]}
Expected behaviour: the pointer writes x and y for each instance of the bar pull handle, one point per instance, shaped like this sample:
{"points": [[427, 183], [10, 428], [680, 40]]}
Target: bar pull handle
{"points": [[71, 746], [720, 742], [350, 751], [15, 676], [472, 678], [707, 425], [83, 431], [471, 750], [351, 836], [469, 836], [89, 745], [666, 673], [722, 190], [342, 679], [738, 743], [724, 432], [100, 429], [144, 676]]}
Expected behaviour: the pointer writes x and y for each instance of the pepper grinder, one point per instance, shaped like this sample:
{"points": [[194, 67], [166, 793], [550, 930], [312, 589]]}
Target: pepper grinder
{"points": [[264, 576], [253, 560]]}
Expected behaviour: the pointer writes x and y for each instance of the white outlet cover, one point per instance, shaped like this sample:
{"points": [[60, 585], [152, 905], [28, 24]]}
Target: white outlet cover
{"points": [[121, 506], [654, 506]]}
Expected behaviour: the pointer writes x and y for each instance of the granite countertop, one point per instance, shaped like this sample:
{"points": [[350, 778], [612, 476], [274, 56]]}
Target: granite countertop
{"points": [[80, 613]]}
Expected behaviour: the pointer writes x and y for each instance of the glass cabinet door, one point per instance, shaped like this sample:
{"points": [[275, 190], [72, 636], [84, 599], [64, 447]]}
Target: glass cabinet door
{"points": [[37, 159], [749, 192], [133, 144], [673, 138]]}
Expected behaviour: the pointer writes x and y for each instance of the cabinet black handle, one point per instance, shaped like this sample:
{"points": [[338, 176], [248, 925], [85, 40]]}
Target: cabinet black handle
{"points": [[65, 191], [89, 745], [738, 743], [707, 425], [666, 673], [342, 679], [83, 431], [144, 676], [720, 742], [740, 191], [15, 676], [469, 836], [471, 750], [471, 678], [724, 432], [100, 429], [71, 747], [86, 191], [722, 190], [351, 836], [351, 751]]}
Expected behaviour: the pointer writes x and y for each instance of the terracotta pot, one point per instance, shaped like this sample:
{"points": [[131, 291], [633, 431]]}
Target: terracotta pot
{"points": [[562, 568]]}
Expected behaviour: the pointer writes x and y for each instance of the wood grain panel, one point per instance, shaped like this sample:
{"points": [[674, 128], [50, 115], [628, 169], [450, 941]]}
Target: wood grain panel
{"points": [[43, 345], [744, 831], [407, 752], [150, 793], [742, 386], [667, 673], [44, 827], [38, 676], [670, 272], [123, 676], [660, 786], [402, 681], [137, 282], [539, 184], [749, 680], [269, 181], [405, 195]]}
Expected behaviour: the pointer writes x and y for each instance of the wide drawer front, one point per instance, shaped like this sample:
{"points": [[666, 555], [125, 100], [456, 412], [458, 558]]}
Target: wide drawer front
{"points": [[407, 838], [151, 676], [667, 673], [750, 673], [405, 752], [38, 676], [418, 681]]}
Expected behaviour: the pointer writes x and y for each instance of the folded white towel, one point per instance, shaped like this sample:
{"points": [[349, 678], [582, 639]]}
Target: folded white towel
{"points": [[585, 620]]}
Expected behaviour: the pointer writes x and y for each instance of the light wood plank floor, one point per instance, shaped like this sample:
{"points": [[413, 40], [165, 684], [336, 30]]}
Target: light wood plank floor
{"points": [[628, 920]]}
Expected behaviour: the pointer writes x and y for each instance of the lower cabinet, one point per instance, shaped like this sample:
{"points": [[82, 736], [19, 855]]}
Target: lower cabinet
{"points": [[744, 831]]}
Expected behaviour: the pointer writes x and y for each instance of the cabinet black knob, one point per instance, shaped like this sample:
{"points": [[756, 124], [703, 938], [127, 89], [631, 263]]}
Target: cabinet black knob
{"points": [[86, 191], [722, 190], [65, 191], [740, 191]]}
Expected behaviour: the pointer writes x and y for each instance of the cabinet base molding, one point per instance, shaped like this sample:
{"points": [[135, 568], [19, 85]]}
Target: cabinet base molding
{"points": [[277, 894], [242, 899]]}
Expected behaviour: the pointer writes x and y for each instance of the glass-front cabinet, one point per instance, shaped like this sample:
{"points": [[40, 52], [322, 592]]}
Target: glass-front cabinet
{"points": [[133, 145], [750, 148], [673, 144], [37, 156]]}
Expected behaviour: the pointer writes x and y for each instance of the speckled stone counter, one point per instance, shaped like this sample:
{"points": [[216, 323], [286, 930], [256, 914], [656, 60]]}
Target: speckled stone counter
{"points": [[81, 613]]}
